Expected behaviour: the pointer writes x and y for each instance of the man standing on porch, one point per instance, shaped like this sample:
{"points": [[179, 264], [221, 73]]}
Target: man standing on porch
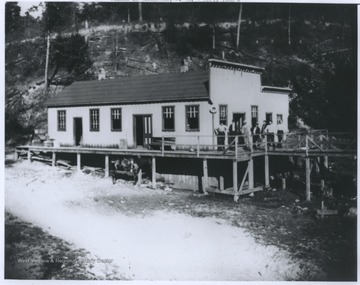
{"points": [[220, 131]]}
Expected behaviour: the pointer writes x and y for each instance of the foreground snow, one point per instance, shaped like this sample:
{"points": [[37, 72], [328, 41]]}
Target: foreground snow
{"points": [[158, 246]]}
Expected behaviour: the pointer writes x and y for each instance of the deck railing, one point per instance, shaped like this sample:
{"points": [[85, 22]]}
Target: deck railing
{"points": [[316, 140]]}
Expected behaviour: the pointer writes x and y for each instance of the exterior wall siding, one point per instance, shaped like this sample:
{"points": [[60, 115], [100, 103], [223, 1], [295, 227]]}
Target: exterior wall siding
{"points": [[106, 137], [240, 90]]}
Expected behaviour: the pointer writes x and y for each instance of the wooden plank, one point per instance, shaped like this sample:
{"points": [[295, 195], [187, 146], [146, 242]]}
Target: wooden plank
{"points": [[230, 191], [308, 181]]}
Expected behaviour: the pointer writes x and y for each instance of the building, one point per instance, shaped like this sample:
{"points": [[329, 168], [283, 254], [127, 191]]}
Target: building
{"points": [[131, 111]]}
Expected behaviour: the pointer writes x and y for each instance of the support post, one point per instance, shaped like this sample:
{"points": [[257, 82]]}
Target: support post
{"points": [[198, 147], [283, 182], [322, 182], [78, 162], [16, 155], [205, 175], [162, 145], [235, 176], [107, 166], [308, 172], [222, 183], [53, 159], [153, 172], [267, 176], [251, 174], [236, 146], [326, 161], [29, 155]]}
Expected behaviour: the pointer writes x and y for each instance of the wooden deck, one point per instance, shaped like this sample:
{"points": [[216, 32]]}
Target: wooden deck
{"points": [[309, 146]]}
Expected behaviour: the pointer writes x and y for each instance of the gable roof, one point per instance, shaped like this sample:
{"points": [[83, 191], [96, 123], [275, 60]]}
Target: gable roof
{"points": [[165, 87]]}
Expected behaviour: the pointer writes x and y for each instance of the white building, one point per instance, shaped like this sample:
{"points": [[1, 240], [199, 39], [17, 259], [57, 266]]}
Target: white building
{"points": [[136, 109]]}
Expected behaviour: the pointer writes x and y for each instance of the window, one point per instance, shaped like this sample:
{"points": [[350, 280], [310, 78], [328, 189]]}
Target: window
{"points": [[192, 118], [116, 119], [268, 117], [94, 120], [223, 114], [254, 115], [62, 120], [168, 118], [279, 119]]}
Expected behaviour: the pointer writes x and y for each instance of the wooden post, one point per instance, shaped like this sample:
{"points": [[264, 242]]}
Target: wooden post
{"points": [[205, 175], [322, 181], [317, 163], [235, 176], [153, 172], [16, 155], [29, 155], [139, 177], [283, 180], [236, 146], [107, 166], [326, 161], [221, 186], [198, 146], [78, 162], [267, 176], [308, 172], [53, 160], [251, 174]]}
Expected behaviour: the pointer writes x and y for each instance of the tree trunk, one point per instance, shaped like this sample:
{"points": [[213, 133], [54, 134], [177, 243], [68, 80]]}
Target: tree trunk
{"points": [[238, 28], [213, 37], [128, 15]]}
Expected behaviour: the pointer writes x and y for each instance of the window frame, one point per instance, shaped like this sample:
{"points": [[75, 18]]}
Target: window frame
{"points": [[186, 118], [163, 118], [58, 121], [112, 120], [226, 114], [91, 122]]}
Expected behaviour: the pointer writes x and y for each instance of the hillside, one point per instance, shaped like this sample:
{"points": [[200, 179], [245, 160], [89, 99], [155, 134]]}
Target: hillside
{"points": [[316, 60]]}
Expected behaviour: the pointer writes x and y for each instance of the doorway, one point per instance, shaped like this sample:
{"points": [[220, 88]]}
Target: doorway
{"points": [[239, 119], [78, 131], [142, 130], [268, 117]]}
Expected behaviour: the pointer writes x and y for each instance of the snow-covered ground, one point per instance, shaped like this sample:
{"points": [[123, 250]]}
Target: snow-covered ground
{"points": [[162, 245]]}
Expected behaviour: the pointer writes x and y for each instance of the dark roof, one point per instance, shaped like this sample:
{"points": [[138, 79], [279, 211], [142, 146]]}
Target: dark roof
{"points": [[192, 85]]}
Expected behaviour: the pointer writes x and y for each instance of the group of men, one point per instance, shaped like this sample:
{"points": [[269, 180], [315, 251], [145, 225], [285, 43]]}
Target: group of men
{"points": [[258, 134]]}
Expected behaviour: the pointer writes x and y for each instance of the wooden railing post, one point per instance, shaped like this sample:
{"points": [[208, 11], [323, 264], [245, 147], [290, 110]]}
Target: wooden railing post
{"points": [[251, 143], [78, 161], [266, 144]]}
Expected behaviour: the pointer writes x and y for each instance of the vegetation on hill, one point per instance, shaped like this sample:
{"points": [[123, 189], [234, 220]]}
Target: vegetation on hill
{"points": [[311, 48]]}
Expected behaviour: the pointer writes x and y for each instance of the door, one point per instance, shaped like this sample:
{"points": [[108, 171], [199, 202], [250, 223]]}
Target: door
{"points": [[142, 130], [78, 131], [239, 118]]}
